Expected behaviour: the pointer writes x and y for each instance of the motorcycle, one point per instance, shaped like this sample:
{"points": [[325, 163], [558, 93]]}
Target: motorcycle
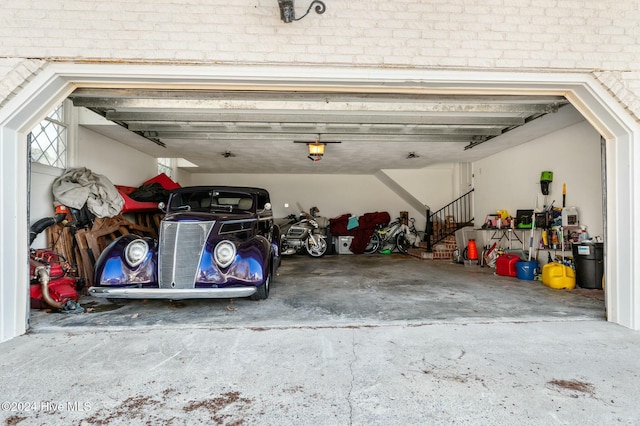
{"points": [[302, 231]]}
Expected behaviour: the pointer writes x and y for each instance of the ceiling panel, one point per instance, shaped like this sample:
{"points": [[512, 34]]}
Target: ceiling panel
{"points": [[376, 130]]}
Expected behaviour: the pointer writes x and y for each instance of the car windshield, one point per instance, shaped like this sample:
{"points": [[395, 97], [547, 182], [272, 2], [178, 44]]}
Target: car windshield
{"points": [[211, 201]]}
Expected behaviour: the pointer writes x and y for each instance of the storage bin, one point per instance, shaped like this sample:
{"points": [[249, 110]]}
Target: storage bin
{"points": [[506, 265], [558, 276], [526, 270], [344, 244]]}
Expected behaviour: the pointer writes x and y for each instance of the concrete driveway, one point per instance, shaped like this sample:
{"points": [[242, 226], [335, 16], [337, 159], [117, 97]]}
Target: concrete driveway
{"points": [[342, 340]]}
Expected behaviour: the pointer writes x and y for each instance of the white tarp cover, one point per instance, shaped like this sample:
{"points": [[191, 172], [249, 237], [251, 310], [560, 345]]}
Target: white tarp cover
{"points": [[80, 185]]}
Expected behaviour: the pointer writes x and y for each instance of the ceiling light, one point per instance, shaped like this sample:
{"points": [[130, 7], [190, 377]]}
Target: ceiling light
{"points": [[288, 13], [316, 151]]}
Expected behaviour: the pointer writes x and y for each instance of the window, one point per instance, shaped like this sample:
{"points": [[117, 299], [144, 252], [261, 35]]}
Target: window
{"points": [[165, 165], [49, 140]]}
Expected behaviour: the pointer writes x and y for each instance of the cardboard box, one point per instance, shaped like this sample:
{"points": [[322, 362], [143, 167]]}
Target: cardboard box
{"points": [[450, 222]]}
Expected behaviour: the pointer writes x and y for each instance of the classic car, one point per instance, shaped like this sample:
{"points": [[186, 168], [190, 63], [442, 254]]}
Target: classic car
{"points": [[214, 242]]}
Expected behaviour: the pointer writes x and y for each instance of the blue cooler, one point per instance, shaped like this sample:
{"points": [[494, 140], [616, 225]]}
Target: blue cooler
{"points": [[526, 270]]}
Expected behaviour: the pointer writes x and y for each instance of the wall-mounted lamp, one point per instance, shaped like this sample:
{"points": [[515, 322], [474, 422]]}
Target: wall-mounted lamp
{"points": [[288, 12]]}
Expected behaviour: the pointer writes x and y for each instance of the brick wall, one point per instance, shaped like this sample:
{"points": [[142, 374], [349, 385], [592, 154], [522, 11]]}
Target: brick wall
{"points": [[624, 86], [14, 74], [557, 35]]}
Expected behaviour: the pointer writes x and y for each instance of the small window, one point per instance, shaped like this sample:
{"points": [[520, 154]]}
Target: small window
{"points": [[165, 165], [197, 200], [48, 141]]}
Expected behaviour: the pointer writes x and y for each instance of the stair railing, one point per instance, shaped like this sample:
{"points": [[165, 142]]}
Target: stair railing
{"points": [[446, 221]]}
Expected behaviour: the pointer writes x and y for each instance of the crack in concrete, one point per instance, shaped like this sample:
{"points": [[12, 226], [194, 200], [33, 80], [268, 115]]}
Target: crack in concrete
{"points": [[71, 330], [353, 361]]}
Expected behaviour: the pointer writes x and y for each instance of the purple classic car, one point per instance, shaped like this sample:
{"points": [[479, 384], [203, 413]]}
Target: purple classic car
{"points": [[214, 242]]}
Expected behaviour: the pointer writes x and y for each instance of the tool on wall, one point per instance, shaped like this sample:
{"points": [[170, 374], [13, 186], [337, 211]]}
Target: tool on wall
{"points": [[545, 179], [564, 195]]}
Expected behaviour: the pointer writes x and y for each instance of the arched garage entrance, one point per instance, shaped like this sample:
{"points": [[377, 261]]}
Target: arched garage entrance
{"points": [[57, 81]]}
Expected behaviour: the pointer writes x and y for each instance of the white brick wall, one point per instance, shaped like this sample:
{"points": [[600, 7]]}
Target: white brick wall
{"points": [[625, 86], [487, 34], [14, 74]]}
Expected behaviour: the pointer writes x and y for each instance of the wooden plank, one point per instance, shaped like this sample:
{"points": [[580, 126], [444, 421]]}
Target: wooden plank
{"points": [[86, 257], [92, 243]]}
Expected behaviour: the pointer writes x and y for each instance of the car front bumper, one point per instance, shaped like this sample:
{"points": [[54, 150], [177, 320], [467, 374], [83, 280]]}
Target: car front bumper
{"points": [[174, 294]]}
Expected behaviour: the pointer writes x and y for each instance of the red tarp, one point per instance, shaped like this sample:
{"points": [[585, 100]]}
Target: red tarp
{"points": [[131, 205], [362, 234]]}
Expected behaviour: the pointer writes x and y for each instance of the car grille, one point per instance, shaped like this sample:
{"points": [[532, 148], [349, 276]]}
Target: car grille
{"points": [[181, 246]]}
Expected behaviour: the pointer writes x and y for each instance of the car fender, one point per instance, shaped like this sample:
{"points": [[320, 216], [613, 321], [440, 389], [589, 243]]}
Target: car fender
{"points": [[111, 268]]}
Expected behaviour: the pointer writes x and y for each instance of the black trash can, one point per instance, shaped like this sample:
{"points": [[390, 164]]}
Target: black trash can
{"points": [[589, 259]]}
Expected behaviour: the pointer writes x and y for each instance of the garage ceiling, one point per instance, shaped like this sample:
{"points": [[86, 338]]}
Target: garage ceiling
{"points": [[254, 131]]}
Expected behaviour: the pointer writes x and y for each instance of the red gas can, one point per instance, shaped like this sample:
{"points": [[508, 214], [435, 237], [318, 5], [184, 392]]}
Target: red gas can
{"points": [[506, 265]]}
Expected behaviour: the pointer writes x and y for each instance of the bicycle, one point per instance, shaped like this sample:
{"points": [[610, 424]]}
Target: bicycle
{"points": [[397, 234]]}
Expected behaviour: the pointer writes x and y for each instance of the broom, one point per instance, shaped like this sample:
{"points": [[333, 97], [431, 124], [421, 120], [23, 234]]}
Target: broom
{"points": [[533, 227]]}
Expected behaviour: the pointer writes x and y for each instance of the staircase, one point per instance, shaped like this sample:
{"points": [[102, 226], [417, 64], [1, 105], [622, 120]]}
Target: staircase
{"points": [[441, 228], [442, 250]]}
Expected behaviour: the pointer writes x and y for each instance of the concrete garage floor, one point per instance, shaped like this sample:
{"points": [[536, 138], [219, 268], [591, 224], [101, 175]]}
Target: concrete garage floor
{"points": [[362, 340], [352, 290]]}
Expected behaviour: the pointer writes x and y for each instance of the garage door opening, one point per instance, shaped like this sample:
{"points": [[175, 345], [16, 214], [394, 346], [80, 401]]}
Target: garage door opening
{"points": [[599, 110]]}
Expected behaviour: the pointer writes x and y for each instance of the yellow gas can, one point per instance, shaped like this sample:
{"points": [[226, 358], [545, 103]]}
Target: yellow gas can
{"points": [[558, 276]]}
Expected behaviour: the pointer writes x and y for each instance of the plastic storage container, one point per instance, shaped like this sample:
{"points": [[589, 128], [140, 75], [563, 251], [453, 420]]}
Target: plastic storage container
{"points": [[344, 244], [558, 276], [526, 270], [506, 265], [589, 258]]}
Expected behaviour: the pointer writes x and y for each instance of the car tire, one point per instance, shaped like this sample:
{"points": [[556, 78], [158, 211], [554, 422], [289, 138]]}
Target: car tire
{"points": [[262, 291]]}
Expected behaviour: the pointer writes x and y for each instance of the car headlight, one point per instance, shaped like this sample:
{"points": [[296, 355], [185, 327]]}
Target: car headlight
{"points": [[136, 252], [224, 253]]}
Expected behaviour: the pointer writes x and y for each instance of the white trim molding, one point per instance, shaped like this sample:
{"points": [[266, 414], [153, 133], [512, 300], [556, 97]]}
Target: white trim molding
{"points": [[57, 80]]}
